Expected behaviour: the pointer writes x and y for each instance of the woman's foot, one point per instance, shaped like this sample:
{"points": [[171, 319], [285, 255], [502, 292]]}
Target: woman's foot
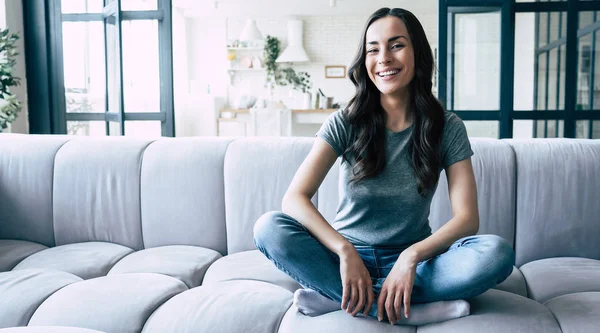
{"points": [[435, 312], [311, 303]]}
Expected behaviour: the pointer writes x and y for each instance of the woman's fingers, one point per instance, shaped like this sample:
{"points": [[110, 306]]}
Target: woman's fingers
{"points": [[353, 298], [381, 303], [345, 295], [389, 307], [407, 295], [398, 304], [361, 299], [370, 299]]}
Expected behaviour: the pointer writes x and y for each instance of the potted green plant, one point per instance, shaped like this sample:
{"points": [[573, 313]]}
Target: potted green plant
{"points": [[272, 49], [9, 104], [300, 81]]}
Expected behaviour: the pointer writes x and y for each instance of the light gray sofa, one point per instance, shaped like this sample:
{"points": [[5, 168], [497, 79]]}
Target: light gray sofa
{"points": [[127, 235]]}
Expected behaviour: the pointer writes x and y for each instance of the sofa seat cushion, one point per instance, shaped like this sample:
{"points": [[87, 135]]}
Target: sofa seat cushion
{"points": [[549, 278], [248, 265], [86, 260], [21, 292], [48, 329], [514, 283], [497, 311], [117, 303], [337, 321], [186, 263], [577, 312], [224, 307], [13, 251]]}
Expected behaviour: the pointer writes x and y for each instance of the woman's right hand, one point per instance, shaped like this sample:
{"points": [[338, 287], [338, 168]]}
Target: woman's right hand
{"points": [[356, 281]]}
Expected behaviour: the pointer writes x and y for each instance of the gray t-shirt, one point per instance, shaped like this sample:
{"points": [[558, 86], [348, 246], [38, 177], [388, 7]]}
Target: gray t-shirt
{"points": [[387, 211]]}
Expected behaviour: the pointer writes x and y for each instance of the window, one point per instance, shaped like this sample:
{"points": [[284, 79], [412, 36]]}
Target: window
{"points": [[554, 89], [108, 60]]}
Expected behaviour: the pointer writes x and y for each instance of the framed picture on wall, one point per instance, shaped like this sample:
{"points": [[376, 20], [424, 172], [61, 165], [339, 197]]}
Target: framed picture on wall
{"points": [[335, 72]]}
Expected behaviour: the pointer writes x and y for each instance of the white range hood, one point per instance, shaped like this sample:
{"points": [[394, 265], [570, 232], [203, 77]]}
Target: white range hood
{"points": [[294, 51]]}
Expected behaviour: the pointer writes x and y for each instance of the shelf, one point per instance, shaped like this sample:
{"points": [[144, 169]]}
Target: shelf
{"points": [[247, 69], [245, 48]]}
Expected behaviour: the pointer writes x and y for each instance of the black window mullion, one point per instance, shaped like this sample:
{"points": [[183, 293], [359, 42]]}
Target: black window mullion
{"points": [[507, 73], [547, 76], [57, 72], [571, 69], [443, 53], [536, 73]]}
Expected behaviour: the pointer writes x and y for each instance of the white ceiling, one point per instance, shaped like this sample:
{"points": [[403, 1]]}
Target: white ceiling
{"points": [[286, 8]]}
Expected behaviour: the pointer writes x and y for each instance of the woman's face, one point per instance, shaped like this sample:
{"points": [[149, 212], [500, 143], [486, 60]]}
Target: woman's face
{"points": [[390, 57]]}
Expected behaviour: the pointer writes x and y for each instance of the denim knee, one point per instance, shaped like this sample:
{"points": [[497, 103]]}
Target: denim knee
{"points": [[268, 231], [502, 253]]}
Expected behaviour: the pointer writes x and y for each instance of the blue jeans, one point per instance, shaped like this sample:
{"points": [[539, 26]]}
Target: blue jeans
{"points": [[468, 268]]}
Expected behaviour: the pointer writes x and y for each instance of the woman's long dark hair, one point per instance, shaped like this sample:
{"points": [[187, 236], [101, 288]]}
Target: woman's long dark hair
{"points": [[368, 119]]}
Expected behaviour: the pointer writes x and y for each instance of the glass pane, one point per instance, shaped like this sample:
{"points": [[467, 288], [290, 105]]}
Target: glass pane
{"points": [[527, 129], [89, 128], [113, 66], [555, 25], [542, 81], [539, 82], [523, 129], [482, 128], [596, 71], [582, 129], [138, 5], [585, 19], [562, 76], [114, 128], [524, 61], [553, 79], [81, 6], [83, 62], [542, 27], [596, 129], [584, 73], [477, 62], [141, 83], [145, 129]]}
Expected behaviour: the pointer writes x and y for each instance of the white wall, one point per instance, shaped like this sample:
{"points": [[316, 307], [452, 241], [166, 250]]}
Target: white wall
{"points": [[11, 17]]}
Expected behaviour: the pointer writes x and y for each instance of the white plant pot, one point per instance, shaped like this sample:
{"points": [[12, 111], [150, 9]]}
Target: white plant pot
{"points": [[306, 101]]}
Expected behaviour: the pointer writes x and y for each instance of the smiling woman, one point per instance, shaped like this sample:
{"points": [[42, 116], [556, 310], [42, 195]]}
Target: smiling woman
{"points": [[379, 256]]}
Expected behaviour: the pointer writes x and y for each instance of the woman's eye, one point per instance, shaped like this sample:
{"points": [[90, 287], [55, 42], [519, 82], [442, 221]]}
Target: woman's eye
{"points": [[397, 46], [371, 50]]}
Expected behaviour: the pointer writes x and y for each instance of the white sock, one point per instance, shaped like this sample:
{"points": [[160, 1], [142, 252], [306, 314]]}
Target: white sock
{"points": [[311, 303], [435, 312]]}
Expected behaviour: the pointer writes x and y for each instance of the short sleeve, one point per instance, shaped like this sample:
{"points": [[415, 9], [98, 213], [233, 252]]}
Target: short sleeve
{"points": [[335, 131], [455, 142]]}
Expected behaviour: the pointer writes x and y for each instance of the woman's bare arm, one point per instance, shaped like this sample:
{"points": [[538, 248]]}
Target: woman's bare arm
{"points": [[296, 201]]}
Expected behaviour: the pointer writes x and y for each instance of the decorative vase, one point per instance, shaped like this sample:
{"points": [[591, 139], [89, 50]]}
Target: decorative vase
{"points": [[307, 99]]}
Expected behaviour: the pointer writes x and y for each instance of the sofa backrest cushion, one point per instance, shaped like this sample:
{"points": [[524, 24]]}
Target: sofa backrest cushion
{"points": [[558, 191], [494, 168], [182, 193], [258, 171], [97, 191], [26, 177]]}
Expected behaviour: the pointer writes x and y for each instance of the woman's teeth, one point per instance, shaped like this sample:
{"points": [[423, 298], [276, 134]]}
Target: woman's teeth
{"points": [[388, 73]]}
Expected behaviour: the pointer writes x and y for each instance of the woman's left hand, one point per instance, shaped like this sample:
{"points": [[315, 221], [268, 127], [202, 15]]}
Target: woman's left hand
{"points": [[397, 289]]}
